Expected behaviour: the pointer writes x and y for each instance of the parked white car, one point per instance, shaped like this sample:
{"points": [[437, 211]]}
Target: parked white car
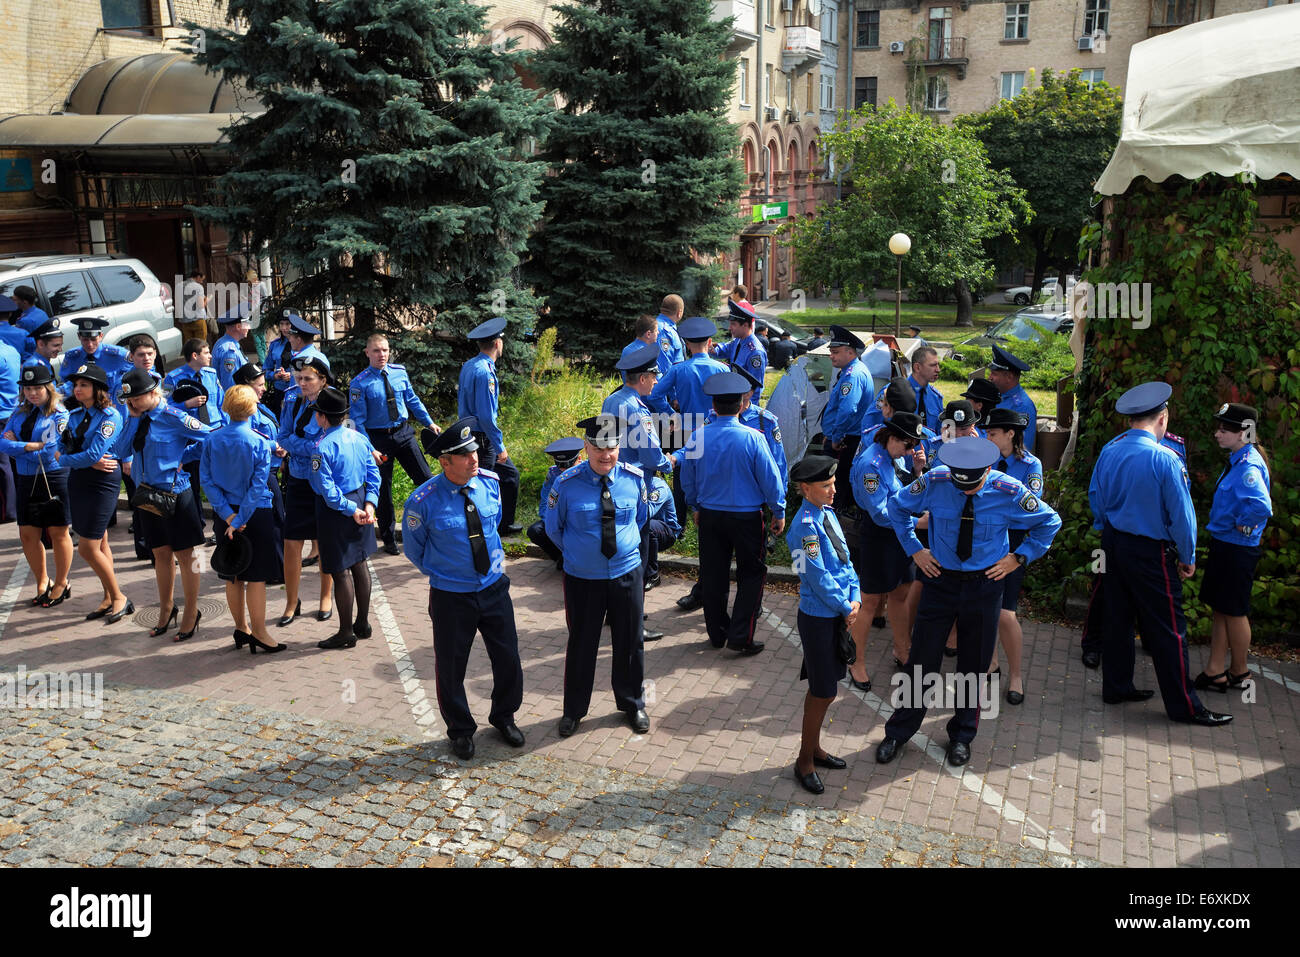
{"points": [[1023, 295]]}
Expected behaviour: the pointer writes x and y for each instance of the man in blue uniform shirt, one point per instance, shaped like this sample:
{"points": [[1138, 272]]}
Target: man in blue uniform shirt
{"points": [[114, 360], [1004, 373], [924, 374], [595, 513], [302, 345], [451, 536], [30, 316], [971, 507], [646, 332], [728, 475], [847, 402], [11, 333], [670, 343], [479, 396], [197, 366], [382, 404], [744, 349], [1142, 504], [48, 339], [565, 453], [227, 353], [641, 445]]}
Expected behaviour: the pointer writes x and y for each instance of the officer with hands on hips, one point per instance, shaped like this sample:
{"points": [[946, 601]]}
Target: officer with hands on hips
{"points": [[478, 396], [971, 508], [565, 452], [595, 513], [451, 536]]}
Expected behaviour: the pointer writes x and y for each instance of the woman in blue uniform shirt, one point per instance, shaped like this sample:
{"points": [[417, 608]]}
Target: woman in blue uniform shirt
{"points": [[155, 439], [1241, 509], [298, 435], [829, 599], [94, 478], [1006, 430], [31, 439], [264, 423]]}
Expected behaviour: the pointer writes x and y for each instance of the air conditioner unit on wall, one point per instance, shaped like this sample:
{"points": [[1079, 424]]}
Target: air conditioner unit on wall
{"points": [[1085, 44], [770, 114], [787, 5], [790, 116], [896, 46]]}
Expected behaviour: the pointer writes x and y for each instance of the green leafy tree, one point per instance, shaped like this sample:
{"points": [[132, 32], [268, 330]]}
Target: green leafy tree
{"points": [[910, 174], [644, 180], [1055, 139], [386, 170]]}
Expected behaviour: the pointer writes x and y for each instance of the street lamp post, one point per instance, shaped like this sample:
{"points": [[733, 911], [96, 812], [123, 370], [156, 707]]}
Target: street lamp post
{"points": [[899, 244]]}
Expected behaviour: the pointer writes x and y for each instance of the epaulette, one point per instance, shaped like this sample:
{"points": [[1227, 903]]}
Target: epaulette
{"points": [[807, 515], [490, 474], [392, 365], [1176, 438], [419, 494], [1011, 487], [567, 474], [633, 469]]}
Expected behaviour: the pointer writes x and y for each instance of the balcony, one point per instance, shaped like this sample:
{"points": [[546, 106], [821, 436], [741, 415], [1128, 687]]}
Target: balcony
{"points": [[802, 49], [939, 51], [742, 29]]}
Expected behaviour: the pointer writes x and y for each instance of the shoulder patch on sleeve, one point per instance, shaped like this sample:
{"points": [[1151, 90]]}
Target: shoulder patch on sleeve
{"points": [[871, 482], [552, 497], [1034, 482], [633, 469], [107, 429], [1029, 502], [315, 463], [412, 519], [845, 388], [917, 487], [811, 545], [354, 394]]}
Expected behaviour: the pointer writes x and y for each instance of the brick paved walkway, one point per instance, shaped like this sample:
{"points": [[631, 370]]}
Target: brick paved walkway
{"points": [[1061, 774]]}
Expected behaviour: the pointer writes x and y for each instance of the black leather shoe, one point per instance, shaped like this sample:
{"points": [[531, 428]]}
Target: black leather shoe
{"points": [[325, 615], [113, 617], [887, 750], [310, 561], [363, 631], [567, 726], [289, 619], [863, 686], [753, 648], [809, 782], [958, 753], [391, 548], [638, 721], [505, 530], [1211, 719], [99, 612], [652, 583], [1015, 697], [463, 748], [690, 602], [949, 652], [832, 762], [649, 634], [1092, 659], [510, 734], [338, 641], [878, 622], [1137, 694]]}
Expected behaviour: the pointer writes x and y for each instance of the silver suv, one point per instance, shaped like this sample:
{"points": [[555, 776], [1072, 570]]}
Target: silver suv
{"points": [[121, 290]]}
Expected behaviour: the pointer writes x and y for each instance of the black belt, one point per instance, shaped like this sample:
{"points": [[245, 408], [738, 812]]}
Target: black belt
{"points": [[395, 428], [964, 576], [1146, 538]]}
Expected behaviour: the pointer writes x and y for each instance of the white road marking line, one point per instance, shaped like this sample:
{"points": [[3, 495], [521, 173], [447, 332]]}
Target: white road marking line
{"points": [[425, 714], [1040, 839], [9, 600], [1281, 679]]}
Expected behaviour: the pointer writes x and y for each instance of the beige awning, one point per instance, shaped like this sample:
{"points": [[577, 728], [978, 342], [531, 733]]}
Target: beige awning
{"points": [[166, 83], [139, 131]]}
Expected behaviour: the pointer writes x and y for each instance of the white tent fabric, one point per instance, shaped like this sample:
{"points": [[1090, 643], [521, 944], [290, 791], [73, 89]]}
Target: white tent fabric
{"points": [[1219, 96], [798, 406]]}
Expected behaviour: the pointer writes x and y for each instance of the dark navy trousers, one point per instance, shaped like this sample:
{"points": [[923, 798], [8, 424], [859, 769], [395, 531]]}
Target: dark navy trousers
{"points": [[456, 617], [587, 603]]}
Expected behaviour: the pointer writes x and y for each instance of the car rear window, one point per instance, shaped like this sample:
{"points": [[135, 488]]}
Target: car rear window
{"points": [[119, 284], [68, 292]]}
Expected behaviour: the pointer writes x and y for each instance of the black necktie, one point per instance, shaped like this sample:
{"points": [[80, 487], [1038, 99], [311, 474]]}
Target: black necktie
{"points": [[920, 407], [29, 426], [836, 544], [286, 354], [394, 414], [203, 414], [966, 537], [79, 437], [300, 427], [141, 433], [1002, 465], [477, 544], [608, 546]]}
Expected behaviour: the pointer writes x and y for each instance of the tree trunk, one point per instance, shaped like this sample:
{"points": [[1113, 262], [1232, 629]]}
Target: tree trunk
{"points": [[965, 315], [1041, 258]]}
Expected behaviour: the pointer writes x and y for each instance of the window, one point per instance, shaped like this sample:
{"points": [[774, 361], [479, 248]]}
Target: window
{"points": [[742, 79], [868, 29], [1012, 84], [68, 292], [771, 12], [809, 98], [119, 284], [864, 91], [767, 87], [127, 13], [940, 33], [789, 93], [936, 93], [830, 21], [1096, 17], [1092, 77], [1017, 23], [828, 91]]}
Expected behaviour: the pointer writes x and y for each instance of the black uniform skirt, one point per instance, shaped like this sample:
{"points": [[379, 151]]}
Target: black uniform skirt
{"points": [[342, 541], [32, 487], [267, 564], [93, 500], [885, 566], [1011, 584], [299, 510], [183, 530], [1229, 576], [821, 665]]}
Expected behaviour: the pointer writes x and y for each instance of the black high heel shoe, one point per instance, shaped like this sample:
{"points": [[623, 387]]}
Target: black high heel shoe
{"points": [[166, 625], [44, 596], [114, 617], [99, 612], [324, 615], [51, 602], [1206, 682], [255, 643], [187, 635], [863, 686], [289, 619], [241, 638]]}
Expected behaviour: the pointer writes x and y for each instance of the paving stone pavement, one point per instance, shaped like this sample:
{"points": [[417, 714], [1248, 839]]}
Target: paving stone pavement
{"points": [[1062, 776]]}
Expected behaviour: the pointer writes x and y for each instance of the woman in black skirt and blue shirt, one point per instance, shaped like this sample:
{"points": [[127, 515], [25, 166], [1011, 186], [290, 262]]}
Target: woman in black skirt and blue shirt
{"points": [[31, 439], [829, 599], [264, 423], [94, 478], [298, 434], [1242, 506], [345, 478]]}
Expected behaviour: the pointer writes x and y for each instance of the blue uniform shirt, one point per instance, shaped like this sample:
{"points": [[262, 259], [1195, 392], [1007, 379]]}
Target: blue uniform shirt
{"points": [[847, 402], [1140, 487], [479, 395], [308, 351], [552, 474], [227, 357], [47, 429], [652, 401], [295, 418], [929, 405], [114, 360], [97, 441], [573, 520], [827, 586], [344, 463], [1175, 444], [727, 467], [234, 467], [873, 416], [436, 538], [32, 318], [1242, 501], [1025, 468], [17, 339], [274, 351], [115, 388], [171, 432], [684, 384], [216, 418], [875, 478], [662, 506], [206, 377], [640, 445], [749, 354], [1017, 400], [671, 351], [769, 426], [265, 424], [11, 367], [1000, 504], [369, 399]]}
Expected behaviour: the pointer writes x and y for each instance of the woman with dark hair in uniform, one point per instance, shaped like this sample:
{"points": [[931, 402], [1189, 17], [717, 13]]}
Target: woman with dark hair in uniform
{"points": [[264, 423], [298, 434], [94, 479]]}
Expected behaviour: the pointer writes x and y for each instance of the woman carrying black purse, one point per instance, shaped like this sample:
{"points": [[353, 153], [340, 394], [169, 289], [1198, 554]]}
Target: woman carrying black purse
{"points": [[31, 439]]}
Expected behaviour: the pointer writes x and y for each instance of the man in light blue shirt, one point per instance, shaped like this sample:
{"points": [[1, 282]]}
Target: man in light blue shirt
{"points": [[479, 396]]}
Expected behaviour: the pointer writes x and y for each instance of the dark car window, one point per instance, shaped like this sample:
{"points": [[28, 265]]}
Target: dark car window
{"points": [[119, 284], [68, 292]]}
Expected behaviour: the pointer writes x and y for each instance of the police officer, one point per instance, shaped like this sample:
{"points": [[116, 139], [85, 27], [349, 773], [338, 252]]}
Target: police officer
{"points": [[641, 445], [847, 402], [662, 528], [670, 344], [595, 513], [565, 453], [929, 401], [30, 316], [1241, 509], [114, 360], [383, 402], [744, 348], [198, 366], [1004, 373], [984, 397], [302, 339], [829, 601], [728, 475], [15, 336], [299, 431], [11, 366], [1142, 504], [279, 365], [184, 396], [971, 508], [345, 478], [646, 333], [227, 353], [264, 423], [48, 339], [478, 396]]}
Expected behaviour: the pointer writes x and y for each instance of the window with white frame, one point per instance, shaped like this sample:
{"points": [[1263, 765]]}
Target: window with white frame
{"points": [[767, 86], [1092, 77], [742, 80], [936, 93], [1012, 84], [1096, 17], [789, 93], [830, 21], [1017, 22], [828, 91]]}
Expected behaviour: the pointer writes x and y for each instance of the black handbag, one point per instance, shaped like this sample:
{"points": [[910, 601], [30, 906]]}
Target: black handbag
{"points": [[155, 501], [845, 649], [48, 513]]}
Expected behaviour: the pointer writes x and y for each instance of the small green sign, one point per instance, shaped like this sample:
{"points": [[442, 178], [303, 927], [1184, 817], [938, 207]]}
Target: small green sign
{"points": [[15, 175], [765, 211]]}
